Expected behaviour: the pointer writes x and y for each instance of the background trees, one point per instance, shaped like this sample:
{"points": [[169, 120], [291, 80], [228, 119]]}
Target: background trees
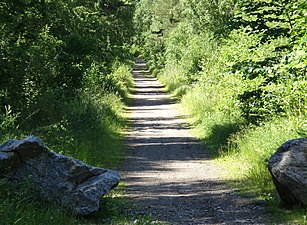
{"points": [[270, 36], [239, 66], [48, 47]]}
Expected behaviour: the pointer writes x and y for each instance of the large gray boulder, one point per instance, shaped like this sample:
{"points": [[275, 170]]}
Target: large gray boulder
{"points": [[288, 167], [54, 177]]}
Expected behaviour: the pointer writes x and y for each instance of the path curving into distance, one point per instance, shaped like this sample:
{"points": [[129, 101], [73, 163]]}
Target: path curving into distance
{"points": [[168, 173]]}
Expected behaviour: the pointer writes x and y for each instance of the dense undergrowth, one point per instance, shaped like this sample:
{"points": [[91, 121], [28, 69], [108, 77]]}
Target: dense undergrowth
{"points": [[65, 77], [239, 68]]}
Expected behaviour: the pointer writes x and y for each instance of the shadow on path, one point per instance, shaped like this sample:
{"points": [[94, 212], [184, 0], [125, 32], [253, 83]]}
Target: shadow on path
{"points": [[167, 173]]}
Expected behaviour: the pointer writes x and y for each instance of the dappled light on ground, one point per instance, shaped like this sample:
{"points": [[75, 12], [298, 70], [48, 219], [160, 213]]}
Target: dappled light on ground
{"points": [[168, 173]]}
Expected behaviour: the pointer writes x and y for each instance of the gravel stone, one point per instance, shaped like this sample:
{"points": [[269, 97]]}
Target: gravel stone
{"points": [[168, 173]]}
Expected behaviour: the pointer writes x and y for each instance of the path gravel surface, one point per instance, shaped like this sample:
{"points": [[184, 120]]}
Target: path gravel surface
{"points": [[168, 173]]}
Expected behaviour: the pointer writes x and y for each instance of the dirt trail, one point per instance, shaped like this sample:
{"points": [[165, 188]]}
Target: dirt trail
{"points": [[168, 174]]}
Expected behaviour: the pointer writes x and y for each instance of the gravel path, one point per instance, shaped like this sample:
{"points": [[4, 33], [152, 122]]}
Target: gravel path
{"points": [[168, 174]]}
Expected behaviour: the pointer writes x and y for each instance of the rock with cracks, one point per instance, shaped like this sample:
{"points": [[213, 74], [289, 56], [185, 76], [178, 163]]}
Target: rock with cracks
{"points": [[54, 177], [288, 167]]}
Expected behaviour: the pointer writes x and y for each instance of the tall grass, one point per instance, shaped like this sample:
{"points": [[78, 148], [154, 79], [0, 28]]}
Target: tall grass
{"points": [[215, 106], [90, 127], [240, 144], [172, 76], [249, 150]]}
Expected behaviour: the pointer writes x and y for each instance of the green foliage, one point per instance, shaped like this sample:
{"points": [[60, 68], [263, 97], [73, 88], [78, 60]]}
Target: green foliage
{"points": [[49, 45], [65, 73], [8, 126], [89, 127], [51, 51], [270, 18], [239, 68], [123, 81], [153, 21], [207, 16]]}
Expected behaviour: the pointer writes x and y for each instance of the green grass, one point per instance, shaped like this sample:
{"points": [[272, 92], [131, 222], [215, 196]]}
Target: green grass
{"points": [[246, 157], [249, 150], [242, 149], [90, 128], [283, 216], [172, 77], [18, 208]]}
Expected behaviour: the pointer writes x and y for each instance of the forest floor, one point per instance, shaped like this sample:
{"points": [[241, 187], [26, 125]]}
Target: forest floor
{"points": [[168, 173]]}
